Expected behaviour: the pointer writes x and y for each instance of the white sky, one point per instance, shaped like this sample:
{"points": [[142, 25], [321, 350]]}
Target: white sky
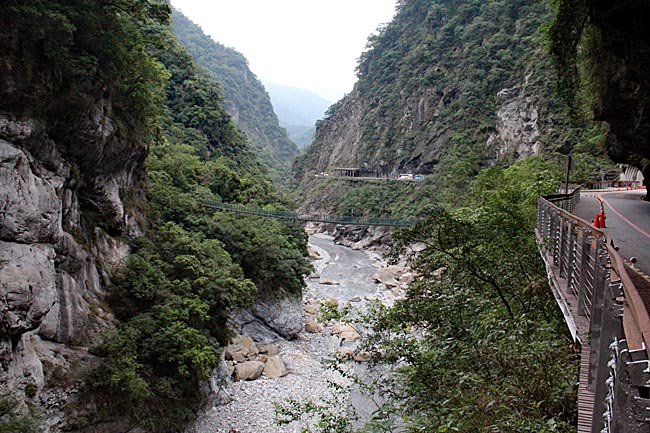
{"points": [[310, 44]]}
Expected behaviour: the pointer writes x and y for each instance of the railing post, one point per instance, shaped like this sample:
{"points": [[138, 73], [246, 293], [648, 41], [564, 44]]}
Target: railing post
{"points": [[584, 303]]}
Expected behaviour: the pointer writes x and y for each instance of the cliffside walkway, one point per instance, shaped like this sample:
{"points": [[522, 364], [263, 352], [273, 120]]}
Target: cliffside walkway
{"points": [[332, 219], [605, 311]]}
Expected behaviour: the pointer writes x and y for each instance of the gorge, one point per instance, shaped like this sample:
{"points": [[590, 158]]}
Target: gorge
{"points": [[121, 292]]}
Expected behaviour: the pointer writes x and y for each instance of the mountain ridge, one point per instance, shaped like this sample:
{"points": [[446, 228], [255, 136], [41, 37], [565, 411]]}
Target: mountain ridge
{"points": [[244, 95]]}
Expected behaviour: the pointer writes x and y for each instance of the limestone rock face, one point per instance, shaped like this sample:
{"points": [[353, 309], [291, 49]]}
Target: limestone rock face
{"points": [[28, 286], [31, 210], [270, 319], [55, 260], [363, 237], [517, 129]]}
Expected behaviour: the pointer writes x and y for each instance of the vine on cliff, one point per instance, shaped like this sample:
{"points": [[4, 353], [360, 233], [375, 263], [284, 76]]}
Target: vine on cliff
{"points": [[564, 36]]}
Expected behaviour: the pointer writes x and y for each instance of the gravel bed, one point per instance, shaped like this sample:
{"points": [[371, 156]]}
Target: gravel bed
{"points": [[252, 409]]}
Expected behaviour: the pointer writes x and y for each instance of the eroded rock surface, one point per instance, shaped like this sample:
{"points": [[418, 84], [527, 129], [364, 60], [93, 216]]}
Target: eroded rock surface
{"points": [[55, 260], [270, 319]]}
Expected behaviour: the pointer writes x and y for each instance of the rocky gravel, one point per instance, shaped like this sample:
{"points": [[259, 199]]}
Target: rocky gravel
{"points": [[252, 409]]}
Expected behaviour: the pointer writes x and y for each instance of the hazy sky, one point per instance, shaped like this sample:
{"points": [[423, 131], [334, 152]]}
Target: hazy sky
{"points": [[311, 44]]}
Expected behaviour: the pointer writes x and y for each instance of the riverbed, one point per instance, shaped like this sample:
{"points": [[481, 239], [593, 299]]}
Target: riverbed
{"points": [[252, 407]]}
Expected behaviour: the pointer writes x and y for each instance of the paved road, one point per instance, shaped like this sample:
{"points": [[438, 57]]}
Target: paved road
{"points": [[628, 223]]}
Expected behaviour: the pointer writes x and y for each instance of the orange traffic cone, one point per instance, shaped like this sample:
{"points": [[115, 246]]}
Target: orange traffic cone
{"points": [[596, 221], [602, 220]]}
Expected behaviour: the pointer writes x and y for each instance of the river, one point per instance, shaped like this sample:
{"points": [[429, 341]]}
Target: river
{"points": [[252, 407]]}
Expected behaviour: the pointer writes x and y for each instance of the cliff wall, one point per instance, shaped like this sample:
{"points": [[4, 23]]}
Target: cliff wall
{"points": [[71, 186], [446, 89]]}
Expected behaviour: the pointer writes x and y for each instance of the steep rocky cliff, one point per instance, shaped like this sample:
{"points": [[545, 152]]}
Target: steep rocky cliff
{"points": [[446, 89], [245, 98], [602, 56], [72, 149]]}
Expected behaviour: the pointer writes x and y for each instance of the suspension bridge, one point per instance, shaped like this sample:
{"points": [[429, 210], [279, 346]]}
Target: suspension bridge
{"points": [[332, 219]]}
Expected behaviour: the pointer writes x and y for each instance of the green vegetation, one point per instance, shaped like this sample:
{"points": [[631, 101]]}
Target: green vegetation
{"points": [[175, 292], [16, 419], [429, 87], [478, 343], [564, 35], [72, 72], [478, 337], [600, 57], [244, 96]]}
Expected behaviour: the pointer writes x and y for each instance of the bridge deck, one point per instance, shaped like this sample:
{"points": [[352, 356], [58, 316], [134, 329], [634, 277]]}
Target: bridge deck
{"points": [[332, 219]]}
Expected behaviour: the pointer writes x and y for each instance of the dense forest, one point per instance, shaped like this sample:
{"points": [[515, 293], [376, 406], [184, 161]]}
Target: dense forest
{"points": [[244, 96], [193, 268]]}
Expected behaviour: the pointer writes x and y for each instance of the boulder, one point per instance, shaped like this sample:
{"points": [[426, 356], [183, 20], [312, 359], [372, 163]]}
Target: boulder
{"points": [[345, 353], [274, 367], [362, 356], [270, 319], [249, 346], [283, 316], [350, 336], [311, 310], [340, 328], [249, 370], [407, 278], [332, 301], [391, 283], [313, 254], [235, 352], [313, 327], [328, 282], [311, 228], [269, 349], [389, 274]]}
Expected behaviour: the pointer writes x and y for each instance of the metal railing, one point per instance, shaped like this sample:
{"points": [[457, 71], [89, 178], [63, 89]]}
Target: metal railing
{"points": [[333, 219], [602, 307], [567, 202]]}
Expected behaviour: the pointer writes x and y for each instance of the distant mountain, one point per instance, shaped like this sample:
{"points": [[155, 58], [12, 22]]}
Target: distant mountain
{"points": [[298, 110], [245, 98]]}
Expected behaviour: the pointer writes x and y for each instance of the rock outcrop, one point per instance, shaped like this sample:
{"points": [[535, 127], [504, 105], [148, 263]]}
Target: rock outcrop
{"points": [[619, 61], [62, 219], [440, 93], [517, 128], [270, 319]]}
